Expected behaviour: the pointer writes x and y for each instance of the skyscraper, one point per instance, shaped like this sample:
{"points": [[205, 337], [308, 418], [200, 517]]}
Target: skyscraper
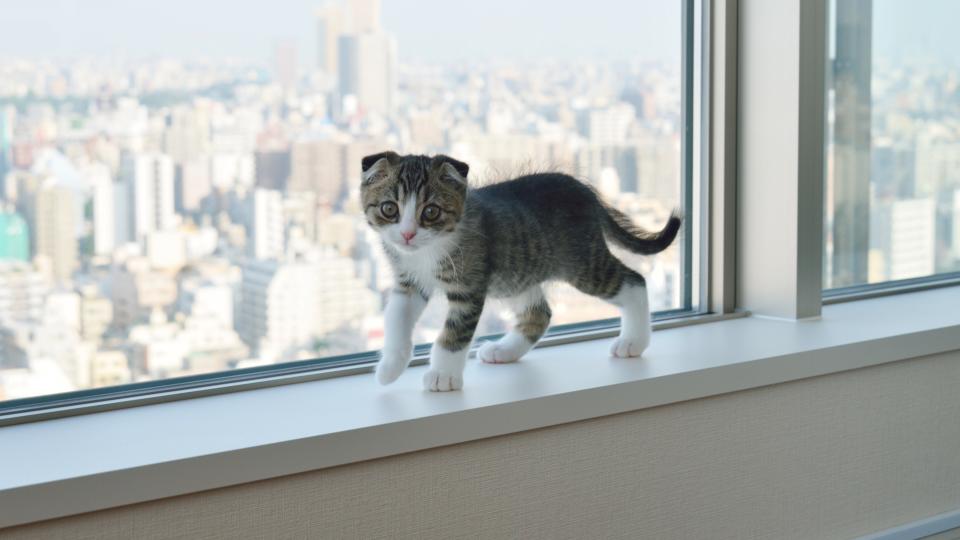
{"points": [[851, 189], [266, 231], [7, 117], [56, 228], [287, 305], [367, 70], [912, 238], [194, 183], [149, 180], [22, 290], [329, 20], [903, 234], [609, 125], [272, 169], [14, 237], [364, 16], [317, 166], [104, 205], [285, 63]]}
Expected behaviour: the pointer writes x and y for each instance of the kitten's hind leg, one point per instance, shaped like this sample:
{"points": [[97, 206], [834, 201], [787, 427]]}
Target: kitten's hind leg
{"points": [[634, 320], [533, 318], [607, 278]]}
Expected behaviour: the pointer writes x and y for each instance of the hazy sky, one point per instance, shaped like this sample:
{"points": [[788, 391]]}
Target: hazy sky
{"points": [[906, 29], [425, 29]]}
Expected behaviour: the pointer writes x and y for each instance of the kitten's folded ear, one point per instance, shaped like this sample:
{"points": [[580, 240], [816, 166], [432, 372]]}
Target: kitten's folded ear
{"points": [[459, 166], [367, 164]]}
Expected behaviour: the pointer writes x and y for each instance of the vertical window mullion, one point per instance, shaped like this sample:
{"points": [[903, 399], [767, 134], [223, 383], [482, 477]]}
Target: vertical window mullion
{"points": [[780, 160]]}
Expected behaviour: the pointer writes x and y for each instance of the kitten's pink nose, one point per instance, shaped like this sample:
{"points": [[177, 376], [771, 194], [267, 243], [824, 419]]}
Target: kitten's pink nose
{"points": [[407, 236]]}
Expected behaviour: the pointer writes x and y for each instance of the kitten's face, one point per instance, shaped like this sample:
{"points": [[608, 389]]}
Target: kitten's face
{"points": [[413, 201]]}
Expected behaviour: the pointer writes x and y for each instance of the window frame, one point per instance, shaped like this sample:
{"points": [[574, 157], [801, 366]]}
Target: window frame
{"points": [[699, 272]]}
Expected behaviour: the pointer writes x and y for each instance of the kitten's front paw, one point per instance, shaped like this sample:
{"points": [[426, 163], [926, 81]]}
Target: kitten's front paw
{"points": [[442, 381], [625, 347], [392, 364]]}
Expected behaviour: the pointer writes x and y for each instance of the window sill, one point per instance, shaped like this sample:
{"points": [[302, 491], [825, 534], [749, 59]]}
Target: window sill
{"points": [[84, 463]]}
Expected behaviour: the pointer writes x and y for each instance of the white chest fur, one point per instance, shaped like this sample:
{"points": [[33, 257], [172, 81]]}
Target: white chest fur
{"points": [[423, 264]]}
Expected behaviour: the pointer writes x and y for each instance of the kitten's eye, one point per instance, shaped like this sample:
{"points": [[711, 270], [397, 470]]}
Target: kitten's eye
{"points": [[389, 209], [431, 212]]}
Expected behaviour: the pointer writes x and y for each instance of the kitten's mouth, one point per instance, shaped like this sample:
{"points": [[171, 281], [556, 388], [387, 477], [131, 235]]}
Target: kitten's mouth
{"points": [[406, 247]]}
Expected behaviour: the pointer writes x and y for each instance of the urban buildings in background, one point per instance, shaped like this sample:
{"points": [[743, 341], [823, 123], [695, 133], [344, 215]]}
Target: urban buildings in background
{"points": [[893, 175], [162, 218]]}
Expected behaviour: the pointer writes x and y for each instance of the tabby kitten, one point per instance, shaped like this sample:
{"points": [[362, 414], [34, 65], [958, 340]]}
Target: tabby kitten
{"points": [[499, 241]]}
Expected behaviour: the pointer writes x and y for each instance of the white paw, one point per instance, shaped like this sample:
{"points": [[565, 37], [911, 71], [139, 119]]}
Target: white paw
{"points": [[625, 347], [392, 364], [492, 352], [442, 381], [507, 349]]}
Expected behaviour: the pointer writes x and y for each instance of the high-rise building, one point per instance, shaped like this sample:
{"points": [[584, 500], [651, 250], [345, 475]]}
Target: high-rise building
{"points": [[278, 311], [272, 169], [367, 71], [187, 135], [317, 166], [7, 119], [285, 63], [610, 125], [904, 233], [22, 290], [208, 329], [288, 306], [193, 183], [657, 170], [232, 170], [56, 228], [329, 20], [149, 180], [14, 237], [137, 290], [851, 145], [364, 16], [266, 230], [96, 313], [104, 208], [22, 187]]}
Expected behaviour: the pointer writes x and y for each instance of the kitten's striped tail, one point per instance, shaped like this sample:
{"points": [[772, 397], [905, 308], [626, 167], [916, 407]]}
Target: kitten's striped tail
{"points": [[622, 230]]}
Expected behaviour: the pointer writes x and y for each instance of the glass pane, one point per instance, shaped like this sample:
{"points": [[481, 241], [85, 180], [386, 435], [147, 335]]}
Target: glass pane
{"points": [[893, 178], [180, 179]]}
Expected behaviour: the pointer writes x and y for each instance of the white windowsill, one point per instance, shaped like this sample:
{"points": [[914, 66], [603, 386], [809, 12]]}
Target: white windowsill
{"points": [[78, 464]]}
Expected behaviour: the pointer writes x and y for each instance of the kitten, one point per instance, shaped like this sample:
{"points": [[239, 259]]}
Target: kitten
{"points": [[500, 241]]}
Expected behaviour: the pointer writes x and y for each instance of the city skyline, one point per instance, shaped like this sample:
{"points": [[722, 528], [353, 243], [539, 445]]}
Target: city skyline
{"points": [[167, 218]]}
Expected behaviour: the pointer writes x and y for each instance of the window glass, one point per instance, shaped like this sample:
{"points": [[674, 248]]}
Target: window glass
{"points": [[179, 180], [893, 175]]}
